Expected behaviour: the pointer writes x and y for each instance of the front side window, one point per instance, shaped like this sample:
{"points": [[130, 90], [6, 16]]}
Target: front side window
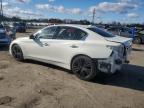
{"points": [[101, 32], [47, 33], [71, 33]]}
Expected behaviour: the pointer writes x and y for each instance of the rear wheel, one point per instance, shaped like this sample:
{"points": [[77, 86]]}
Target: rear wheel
{"points": [[84, 68], [137, 40], [17, 52]]}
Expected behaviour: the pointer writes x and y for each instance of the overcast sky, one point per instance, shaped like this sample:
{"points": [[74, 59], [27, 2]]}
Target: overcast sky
{"points": [[128, 11]]}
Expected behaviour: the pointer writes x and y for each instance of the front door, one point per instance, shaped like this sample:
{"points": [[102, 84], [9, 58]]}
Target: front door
{"points": [[57, 44], [40, 47]]}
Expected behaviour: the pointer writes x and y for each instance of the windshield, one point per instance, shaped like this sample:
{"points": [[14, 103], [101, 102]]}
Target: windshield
{"points": [[101, 32]]}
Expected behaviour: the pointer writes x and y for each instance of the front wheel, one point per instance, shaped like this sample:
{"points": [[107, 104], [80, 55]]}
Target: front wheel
{"points": [[84, 68], [17, 52]]}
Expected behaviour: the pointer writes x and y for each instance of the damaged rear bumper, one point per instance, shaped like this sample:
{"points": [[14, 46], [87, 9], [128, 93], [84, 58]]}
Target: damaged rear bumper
{"points": [[112, 64]]}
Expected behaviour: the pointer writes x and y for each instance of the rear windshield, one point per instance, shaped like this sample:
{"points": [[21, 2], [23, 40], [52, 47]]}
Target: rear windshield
{"points": [[101, 32]]}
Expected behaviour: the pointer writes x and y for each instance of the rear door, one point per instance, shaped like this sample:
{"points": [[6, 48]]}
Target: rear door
{"points": [[67, 41]]}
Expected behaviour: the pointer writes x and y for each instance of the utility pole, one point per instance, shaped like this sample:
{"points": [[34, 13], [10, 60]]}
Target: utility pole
{"points": [[1, 12], [94, 11]]}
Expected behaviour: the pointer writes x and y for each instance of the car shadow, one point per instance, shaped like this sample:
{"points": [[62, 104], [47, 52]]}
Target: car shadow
{"points": [[135, 49], [131, 76]]}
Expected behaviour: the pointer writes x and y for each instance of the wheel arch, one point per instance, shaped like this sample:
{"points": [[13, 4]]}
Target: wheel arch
{"points": [[77, 56], [10, 47], [18, 45]]}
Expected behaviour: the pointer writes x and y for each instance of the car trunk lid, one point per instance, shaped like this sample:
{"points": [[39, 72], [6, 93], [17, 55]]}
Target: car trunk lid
{"points": [[119, 39]]}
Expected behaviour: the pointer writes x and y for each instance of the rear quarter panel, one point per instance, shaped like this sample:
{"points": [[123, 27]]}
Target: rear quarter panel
{"points": [[97, 50]]}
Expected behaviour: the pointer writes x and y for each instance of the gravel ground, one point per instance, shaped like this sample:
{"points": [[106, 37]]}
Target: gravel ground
{"points": [[32, 84]]}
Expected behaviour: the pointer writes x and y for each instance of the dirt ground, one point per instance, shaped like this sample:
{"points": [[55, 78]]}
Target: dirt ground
{"points": [[32, 84]]}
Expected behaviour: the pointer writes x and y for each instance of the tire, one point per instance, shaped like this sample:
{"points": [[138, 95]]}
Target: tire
{"points": [[84, 68], [137, 40], [17, 52]]}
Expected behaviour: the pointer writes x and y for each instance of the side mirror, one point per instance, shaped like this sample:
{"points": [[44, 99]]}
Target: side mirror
{"points": [[32, 36]]}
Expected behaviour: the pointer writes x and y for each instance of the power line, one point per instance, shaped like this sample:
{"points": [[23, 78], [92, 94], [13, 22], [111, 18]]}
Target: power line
{"points": [[94, 12], [1, 10]]}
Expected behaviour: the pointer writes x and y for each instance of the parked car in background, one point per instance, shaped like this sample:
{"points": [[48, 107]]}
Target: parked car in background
{"points": [[141, 31], [100, 26], [20, 27], [11, 31], [121, 31], [137, 36], [86, 50], [5, 40]]}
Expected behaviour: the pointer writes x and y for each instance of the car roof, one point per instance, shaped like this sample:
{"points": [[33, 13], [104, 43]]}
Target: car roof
{"points": [[92, 35], [75, 25]]}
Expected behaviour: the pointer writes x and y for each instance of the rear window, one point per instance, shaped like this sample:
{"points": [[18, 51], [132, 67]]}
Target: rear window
{"points": [[71, 33], [101, 32]]}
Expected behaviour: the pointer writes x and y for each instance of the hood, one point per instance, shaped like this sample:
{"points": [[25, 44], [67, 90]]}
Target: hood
{"points": [[119, 39]]}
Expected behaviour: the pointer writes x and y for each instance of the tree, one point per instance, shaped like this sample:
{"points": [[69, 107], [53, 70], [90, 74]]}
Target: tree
{"points": [[84, 22], [58, 21]]}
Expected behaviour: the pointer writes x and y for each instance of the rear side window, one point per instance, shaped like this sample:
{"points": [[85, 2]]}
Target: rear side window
{"points": [[71, 33], [101, 32]]}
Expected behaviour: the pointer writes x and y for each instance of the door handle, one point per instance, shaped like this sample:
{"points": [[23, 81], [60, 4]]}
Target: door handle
{"points": [[74, 46]]}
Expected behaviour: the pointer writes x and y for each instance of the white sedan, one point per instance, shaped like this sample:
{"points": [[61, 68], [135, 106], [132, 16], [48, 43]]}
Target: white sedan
{"points": [[86, 50]]}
